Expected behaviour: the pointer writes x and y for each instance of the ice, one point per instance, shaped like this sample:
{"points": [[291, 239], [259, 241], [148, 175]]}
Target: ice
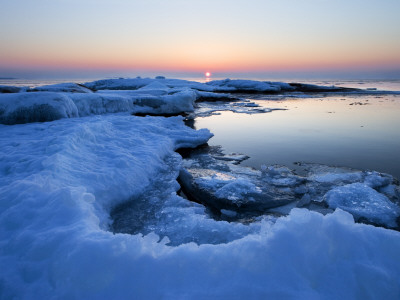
{"points": [[225, 86], [12, 89], [229, 213], [146, 102], [363, 201], [159, 96], [376, 180], [159, 210], [205, 109], [239, 85], [61, 180], [35, 107], [237, 189], [235, 158], [221, 184], [62, 88], [28, 107], [136, 83], [155, 86], [336, 176], [213, 97], [90, 208]]}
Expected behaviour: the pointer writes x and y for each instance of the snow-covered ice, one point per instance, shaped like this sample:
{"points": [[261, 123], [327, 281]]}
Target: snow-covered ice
{"points": [[19, 108], [50, 103], [238, 85], [136, 83], [62, 88], [158, 96], [363, 201], [12, 89]]}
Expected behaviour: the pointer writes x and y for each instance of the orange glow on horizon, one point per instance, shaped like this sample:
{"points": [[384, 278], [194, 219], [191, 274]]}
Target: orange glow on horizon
{"points": [[192, 61], [191, 55]]}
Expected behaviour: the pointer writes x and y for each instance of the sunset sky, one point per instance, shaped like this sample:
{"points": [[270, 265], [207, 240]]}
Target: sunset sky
{"points": [[180, 36]]}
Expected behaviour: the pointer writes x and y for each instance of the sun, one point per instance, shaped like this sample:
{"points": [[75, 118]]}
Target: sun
{"points": [[208, 74]]}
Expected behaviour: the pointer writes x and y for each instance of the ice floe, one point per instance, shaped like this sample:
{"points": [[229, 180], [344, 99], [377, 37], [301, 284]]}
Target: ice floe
{"points": [[363, 201], [221, 184]]}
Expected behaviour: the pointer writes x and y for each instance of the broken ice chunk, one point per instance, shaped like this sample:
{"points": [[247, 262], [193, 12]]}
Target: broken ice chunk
{"points": [[363, 201], [238, 189]]}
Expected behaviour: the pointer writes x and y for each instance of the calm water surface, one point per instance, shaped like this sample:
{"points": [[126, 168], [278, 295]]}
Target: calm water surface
{"points": [[329, 130]]}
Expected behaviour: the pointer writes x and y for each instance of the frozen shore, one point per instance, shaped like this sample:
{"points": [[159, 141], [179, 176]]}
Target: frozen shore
{"points": [[64, 183]]}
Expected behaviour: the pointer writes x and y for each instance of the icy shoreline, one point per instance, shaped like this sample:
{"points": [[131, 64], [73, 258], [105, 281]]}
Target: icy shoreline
{"points": [[61, 180], [159, 96]]}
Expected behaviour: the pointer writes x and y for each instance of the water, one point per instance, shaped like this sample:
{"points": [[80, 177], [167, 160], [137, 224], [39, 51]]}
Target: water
{"points": [[361, 132]]}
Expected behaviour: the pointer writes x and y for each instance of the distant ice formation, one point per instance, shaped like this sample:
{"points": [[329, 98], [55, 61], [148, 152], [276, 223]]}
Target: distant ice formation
{"points": [[159, 96]]}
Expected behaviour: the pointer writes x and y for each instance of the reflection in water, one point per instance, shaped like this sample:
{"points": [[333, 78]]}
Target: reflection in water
{"points": [[356, 131]]}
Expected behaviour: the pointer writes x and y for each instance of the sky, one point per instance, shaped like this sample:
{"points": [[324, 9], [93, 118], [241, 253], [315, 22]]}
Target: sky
{"points": [[248, 38]]}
